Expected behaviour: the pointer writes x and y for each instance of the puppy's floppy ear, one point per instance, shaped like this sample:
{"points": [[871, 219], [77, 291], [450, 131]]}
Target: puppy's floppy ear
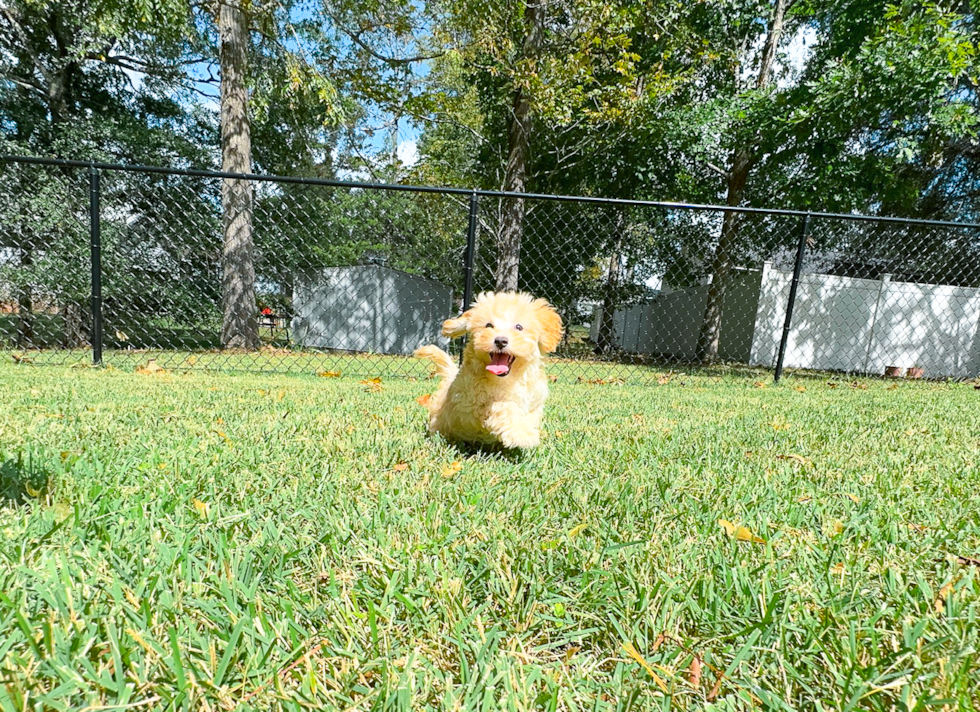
{"points": [[454, 328], [551, 327]]}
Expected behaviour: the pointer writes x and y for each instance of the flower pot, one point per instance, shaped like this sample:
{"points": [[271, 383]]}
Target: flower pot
{"points": [[894, 371], [914, 372]]}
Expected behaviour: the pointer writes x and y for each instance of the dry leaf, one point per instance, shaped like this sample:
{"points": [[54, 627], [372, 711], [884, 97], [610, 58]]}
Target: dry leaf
{"points": [[571, 651], [776, 425], [121, 336], [805, 499], [853, 497], [373, 384], [740, 533], [759, 384], [663, 380], [801, 389], [328, 374], [151, 367], [400, 467], [694, 672], [575, 531], [968, 561], [425, 400], [452, 469], [633, 653], [940, 602], [202, 508]]}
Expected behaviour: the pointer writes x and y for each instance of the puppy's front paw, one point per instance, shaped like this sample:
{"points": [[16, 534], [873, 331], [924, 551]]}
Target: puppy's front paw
{"points": [[520, 440]]}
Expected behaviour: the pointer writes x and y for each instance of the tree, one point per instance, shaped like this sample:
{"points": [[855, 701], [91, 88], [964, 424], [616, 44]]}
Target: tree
{"points": [[741, 162], [239, 325], [67, 70]]}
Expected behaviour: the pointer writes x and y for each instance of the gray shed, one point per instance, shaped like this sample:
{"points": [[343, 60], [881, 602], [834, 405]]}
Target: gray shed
{"points": [[369, 308]]}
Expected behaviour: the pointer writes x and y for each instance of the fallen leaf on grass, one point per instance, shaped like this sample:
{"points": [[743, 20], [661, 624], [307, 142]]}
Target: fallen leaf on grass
{"points": [[451, 469], [663, 380], [800, 389], [968, 561], [373, 384], [575, 531], [940, 602], [740, 533], [201, 508], [694, 672], [853, 497], [918, 528], [150, 368], [328, 374], [634, 653], [424, 400], [759, 384], [400, 467]]}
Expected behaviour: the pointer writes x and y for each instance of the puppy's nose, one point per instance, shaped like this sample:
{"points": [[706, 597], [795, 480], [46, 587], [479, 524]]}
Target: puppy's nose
{"points": [[500, 342]]}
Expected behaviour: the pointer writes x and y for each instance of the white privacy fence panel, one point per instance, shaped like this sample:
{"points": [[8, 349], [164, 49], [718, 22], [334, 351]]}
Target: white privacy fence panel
{"points": [[864, 325], [930, 326]]}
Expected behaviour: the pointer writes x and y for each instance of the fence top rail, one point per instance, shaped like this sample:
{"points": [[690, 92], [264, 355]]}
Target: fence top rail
{"points": [[705, 207]]}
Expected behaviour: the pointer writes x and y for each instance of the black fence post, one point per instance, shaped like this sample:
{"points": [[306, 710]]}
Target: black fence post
{"points": [[95, 235], [470, 257], [791, 302]]}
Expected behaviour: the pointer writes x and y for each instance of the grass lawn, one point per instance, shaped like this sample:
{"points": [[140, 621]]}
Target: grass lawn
{"points": [[205, 541]]}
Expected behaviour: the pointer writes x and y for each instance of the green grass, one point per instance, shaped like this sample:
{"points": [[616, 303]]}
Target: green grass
{"points": [[200, 541]]}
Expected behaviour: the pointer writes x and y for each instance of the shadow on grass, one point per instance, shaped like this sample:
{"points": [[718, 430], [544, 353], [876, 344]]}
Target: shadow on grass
{"points": [[499, 452], [20, 479]]}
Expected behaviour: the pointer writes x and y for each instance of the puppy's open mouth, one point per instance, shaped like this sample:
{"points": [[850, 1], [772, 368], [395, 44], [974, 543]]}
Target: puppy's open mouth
{"points": [[500, 363]]}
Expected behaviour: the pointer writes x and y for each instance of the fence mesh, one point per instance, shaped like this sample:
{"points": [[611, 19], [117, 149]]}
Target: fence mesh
{"points": [[350, 279]]}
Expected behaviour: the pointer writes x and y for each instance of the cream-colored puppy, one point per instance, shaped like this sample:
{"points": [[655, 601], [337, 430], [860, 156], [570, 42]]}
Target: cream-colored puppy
{"points": [[498, 394]]}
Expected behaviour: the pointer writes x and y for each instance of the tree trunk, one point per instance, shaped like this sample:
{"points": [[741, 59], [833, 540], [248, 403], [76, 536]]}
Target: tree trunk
{"points": [[239, 325], [709, 338], [605, 341], [71, 316], [518, 147]]}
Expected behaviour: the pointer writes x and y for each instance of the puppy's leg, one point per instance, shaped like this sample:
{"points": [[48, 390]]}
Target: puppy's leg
{"points": [[514, 427]]}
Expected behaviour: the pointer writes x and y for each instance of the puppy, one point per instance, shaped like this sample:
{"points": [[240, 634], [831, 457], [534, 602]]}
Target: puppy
{"points": [[498, 394]]}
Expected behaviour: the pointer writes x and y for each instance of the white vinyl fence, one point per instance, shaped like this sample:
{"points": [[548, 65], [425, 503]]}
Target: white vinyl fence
{"points": [[839, 324]]}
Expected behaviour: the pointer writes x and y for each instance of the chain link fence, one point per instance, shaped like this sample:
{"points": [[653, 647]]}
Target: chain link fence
{"points": [[122, 265]]}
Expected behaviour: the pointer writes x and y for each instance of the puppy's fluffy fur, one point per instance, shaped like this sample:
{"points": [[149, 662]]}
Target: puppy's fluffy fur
{"points": [[498, 394]]}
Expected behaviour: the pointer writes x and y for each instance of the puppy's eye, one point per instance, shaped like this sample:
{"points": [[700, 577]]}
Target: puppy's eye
{"points": [[489, 325], [518, 327]]}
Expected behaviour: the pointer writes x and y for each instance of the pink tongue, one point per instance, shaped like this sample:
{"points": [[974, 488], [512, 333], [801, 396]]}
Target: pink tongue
{"points": [[498, 364]]}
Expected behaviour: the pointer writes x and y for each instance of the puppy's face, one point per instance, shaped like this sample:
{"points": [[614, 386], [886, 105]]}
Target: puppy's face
{"points": [[507, 330]]}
